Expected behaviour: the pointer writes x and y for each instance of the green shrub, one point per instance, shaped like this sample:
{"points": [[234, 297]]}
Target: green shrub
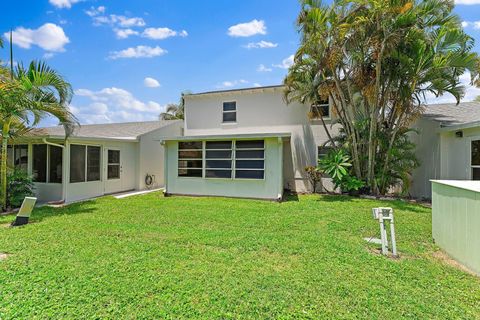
{"points": [[337, 165], [19, 186]]}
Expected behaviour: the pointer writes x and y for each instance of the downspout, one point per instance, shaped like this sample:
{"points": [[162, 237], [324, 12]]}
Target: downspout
{"points": [[64, 184], [165, 167]]}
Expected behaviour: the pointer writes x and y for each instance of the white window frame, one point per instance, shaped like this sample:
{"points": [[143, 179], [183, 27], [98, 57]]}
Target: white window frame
{"points": [[247, 159], [229, 111], [86, 162], [115, 164], [321, 105], [187, 159], [47, 167], [233, 159], [472, 166]]}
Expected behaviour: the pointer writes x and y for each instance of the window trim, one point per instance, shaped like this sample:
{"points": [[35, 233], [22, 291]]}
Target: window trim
{"points": [[229, 111], [119, 164], [329, 117], [86, 163], [233, 158], [472, 166]]}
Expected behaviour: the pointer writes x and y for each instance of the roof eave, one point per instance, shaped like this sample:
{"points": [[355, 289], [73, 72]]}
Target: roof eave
{"points": [[240, 136]]}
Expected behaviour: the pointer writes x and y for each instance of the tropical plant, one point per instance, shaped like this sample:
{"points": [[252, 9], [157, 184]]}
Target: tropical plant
{"points": [[19, 186], [175, 111], [314, 176], [376, 61], [337, 165], [27, 95]]}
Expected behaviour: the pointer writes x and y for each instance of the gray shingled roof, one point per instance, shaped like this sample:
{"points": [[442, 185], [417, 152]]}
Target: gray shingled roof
{"points": [[450, 114], [126, 130]]}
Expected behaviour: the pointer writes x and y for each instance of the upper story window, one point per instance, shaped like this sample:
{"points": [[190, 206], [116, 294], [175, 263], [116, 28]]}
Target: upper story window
{"points": [[320, 109], [229, 112]]}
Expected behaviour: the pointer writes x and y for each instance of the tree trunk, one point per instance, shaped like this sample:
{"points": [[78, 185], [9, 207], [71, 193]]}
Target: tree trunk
{"points": [[3, 165]]}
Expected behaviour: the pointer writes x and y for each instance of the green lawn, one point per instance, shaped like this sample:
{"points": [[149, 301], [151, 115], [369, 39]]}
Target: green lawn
{"points": [[180, 257]]}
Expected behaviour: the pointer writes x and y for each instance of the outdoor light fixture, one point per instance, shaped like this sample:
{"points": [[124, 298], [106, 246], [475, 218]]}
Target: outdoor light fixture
{"points": [[459, 134]]}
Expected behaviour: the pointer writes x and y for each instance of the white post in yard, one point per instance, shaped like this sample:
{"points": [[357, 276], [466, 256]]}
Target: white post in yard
{"points": [[383, 215]]}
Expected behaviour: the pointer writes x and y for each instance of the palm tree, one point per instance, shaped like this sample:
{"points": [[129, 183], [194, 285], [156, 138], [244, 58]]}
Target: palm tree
{"points": [[376, 61], [175, 111], [27, 95]]}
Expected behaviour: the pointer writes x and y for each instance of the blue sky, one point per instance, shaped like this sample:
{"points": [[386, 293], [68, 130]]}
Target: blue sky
{"points": [[128, 59]]}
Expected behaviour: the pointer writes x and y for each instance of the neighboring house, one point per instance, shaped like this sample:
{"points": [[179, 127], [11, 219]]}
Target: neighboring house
{"points": [[95, 160], [448, 145]]}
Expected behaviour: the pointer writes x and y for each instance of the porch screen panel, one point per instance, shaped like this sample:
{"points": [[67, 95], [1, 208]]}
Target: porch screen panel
{"points": [[21, 157], [93, 163], [218, 159], [39, 163], [77, 163], [55, 164], [250, 159], [475, 159], [190, 159]]}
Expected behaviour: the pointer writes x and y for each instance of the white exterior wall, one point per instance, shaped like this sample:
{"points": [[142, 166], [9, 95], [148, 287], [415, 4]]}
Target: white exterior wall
{"points": [[455, 154], [271, 187], [427, 151], [151, 154], [442, 155], [262, 112], [85, 190]]}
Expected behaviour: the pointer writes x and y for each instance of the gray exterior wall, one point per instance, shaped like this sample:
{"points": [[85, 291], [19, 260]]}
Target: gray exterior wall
{"points": [[262, 112]]}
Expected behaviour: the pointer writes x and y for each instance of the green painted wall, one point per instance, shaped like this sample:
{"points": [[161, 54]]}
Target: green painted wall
{"points": [[269, 188], [456, 221]]}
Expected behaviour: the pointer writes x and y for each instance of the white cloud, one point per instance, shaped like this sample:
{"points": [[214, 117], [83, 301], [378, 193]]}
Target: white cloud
{"points": [[467, 2], [471, 92], [63, 3], [262, 68], [162, 33], [138, 52], [256, 84], [261, 45], [121, 21], [286, 63], [474, 24], [48, 55], [92, 12], [49, 37], [230, 84], [113, 105], [124, 33], [151, 82], [248, 29]]}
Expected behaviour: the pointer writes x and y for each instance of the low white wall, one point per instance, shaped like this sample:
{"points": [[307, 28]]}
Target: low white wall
{"points": [[271, 187], [46, 192], [456, 220]]}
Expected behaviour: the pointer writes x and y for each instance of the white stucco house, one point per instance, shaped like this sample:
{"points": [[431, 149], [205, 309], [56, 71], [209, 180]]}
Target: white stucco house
{"points": [[96, 160], [250, 143], [238, 143]]}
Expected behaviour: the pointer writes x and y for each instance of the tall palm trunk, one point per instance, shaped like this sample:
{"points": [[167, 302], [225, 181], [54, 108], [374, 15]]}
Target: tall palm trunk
{"points": [[3, 165]]}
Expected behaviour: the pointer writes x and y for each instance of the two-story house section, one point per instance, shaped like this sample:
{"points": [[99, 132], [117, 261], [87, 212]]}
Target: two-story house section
{"points": [[244, 143]]}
